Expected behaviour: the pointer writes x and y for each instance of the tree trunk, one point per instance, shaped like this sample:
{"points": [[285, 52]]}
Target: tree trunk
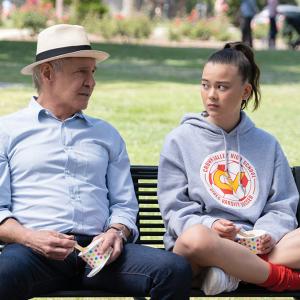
{"points": [[59, 8]]}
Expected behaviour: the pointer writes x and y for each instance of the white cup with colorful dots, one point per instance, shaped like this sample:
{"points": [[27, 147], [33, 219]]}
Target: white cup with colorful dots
{"points": [[250, 239], [94, 258]]}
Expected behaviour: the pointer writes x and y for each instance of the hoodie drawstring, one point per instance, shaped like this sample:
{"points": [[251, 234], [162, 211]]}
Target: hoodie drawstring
{"points": [[226, 158], [239, 155]]}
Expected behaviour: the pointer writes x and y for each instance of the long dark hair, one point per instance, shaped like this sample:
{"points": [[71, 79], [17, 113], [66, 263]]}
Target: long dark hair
{"points": [[242, 56]]}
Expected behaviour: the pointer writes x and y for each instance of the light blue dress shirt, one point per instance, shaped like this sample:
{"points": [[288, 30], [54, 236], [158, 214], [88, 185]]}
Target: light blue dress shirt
{"points": [[69, 176]]}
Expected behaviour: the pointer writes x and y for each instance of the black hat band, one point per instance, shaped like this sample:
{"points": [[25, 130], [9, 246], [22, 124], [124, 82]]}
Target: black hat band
{"points": [[60, 51]]}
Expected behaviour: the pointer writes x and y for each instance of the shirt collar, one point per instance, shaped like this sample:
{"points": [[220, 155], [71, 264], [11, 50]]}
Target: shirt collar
{"points": [[38, 110], [81, 115]]}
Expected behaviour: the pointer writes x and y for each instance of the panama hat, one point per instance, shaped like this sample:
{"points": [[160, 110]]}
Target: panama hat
{"points": [[63, 40]]}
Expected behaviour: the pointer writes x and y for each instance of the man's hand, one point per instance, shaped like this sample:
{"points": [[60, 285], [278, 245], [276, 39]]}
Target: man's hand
{"points": [[266, 245], [225, 229], [51, 244], [111, 238]]}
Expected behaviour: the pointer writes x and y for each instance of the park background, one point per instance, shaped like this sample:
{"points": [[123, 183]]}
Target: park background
{"points": [[152, 79]]}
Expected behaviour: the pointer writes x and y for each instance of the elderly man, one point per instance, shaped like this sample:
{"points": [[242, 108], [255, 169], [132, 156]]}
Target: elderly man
{"points": [[65, 179]]}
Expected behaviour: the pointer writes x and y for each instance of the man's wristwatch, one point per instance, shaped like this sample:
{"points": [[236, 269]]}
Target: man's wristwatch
{"points": [[120, 232]]}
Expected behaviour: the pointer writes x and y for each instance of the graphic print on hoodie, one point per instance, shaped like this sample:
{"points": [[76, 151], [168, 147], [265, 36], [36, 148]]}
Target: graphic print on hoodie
{"points": [[232, 182], [206, 174]]}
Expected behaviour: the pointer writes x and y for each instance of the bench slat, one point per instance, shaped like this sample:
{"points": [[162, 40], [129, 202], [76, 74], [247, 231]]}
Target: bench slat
{"points": [[148, 201], [149, 209], [150, 217], [145, 225], [146, 185], [146, 193]]}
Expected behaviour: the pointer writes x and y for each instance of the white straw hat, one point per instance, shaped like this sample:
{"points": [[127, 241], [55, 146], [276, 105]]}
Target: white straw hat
{"points": [[63, 40]]}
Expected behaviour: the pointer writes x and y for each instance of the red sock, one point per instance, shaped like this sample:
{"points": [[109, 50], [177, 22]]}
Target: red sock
{"points": [[264, 256], [282, 278]]}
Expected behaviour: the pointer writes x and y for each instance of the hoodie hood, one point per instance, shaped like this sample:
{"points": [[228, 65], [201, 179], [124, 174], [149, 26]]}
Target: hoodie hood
{"points": [[197, 119]]}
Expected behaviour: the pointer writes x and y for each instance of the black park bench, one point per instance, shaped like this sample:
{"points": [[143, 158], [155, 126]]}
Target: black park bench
{"points": [[151, 229]]}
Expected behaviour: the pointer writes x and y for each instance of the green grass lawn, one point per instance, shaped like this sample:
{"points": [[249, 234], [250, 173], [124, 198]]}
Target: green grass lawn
{"points": [[144, 91]]}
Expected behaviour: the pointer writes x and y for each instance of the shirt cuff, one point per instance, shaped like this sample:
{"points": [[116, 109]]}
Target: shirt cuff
{"points": [[5, 214]]}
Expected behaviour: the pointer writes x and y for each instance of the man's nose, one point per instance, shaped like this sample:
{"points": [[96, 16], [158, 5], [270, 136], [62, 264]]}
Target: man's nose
{"points": [[90, 81]]}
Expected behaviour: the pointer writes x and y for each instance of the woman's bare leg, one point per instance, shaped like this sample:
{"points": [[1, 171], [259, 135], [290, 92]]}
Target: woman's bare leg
{"points": [[205, 248]]}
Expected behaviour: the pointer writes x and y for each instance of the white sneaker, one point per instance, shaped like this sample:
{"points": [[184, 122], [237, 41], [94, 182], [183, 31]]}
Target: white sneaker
{"points": [[217, 281]]}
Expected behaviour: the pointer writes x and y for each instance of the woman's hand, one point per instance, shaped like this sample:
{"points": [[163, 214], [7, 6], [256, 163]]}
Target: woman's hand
{"points": [[225, 229], [266, 245]]}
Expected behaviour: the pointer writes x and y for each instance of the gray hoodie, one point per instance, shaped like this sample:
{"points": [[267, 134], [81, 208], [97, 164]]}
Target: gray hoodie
{"points": [[206, 174]]}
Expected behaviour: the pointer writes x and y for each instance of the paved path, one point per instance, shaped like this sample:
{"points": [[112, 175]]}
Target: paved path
{"points": [[4, 85], [24, 34], [14, 34]]}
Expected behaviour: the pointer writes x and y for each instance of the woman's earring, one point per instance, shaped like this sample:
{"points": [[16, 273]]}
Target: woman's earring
{"points": [[244, 104], [204, 114]]}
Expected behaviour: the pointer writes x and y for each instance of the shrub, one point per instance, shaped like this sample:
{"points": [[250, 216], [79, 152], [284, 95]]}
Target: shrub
{"points": [[260, 31], [108, 28], [201, 31], [33, 17], [174, 34], [81, 9], [138, 27], [176, 29], [220, 28], [186, 28], [92, 23], [217, 28]]}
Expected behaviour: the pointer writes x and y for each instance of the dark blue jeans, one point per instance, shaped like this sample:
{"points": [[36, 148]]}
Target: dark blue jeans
{"points": [[139, 270]]}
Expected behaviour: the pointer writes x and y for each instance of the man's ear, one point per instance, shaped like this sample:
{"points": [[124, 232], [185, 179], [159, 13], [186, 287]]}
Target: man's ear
{"points": [[47, 72]]}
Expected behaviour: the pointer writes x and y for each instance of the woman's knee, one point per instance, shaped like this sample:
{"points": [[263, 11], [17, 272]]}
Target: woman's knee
{"points": [[197, 240]]}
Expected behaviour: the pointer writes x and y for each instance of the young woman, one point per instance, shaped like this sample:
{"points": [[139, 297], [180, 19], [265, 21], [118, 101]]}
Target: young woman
{"points": [[219, 174]]}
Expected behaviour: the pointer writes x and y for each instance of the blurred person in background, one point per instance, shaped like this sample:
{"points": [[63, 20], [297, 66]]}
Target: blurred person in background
{"points": [[248, 10], [272, 9]]}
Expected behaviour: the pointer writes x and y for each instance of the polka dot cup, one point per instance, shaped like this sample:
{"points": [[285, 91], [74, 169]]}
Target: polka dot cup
{"points": [[92, 256], [250, 239]]}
